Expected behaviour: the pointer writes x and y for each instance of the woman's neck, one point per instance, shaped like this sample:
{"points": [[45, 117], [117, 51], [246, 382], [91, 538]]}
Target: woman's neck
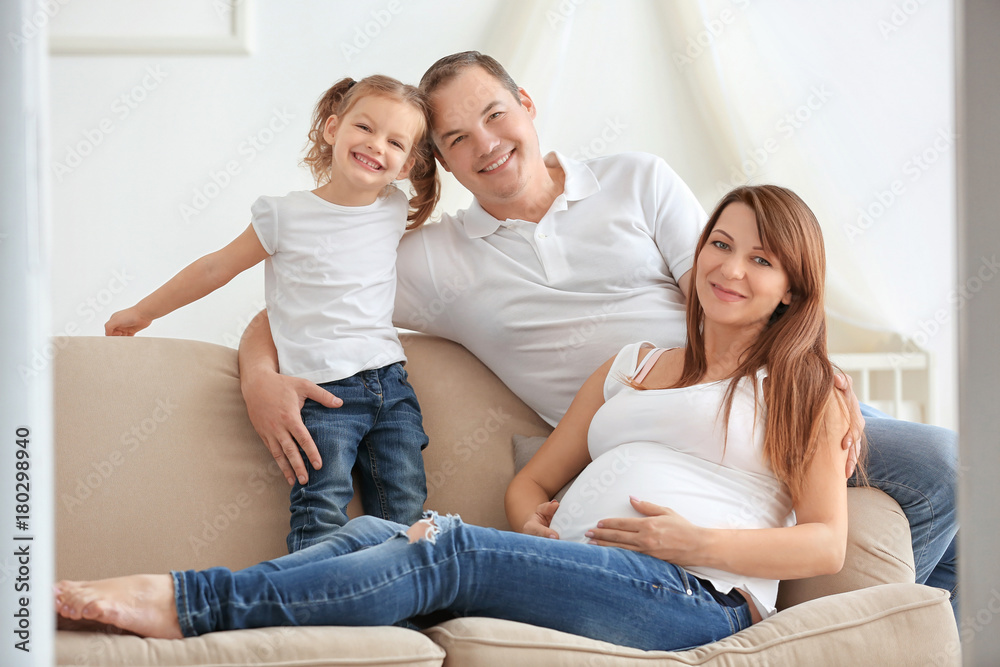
{"points": [[724, 348]]}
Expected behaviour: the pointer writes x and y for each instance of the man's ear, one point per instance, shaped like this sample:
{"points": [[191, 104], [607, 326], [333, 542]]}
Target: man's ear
{"points": [[330, 129], [441, 160], [527, 102]]}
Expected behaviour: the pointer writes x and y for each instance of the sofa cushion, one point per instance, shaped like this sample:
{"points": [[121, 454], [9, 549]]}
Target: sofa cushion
{"points": [[266, 647], [878, 551], [840, 629]]}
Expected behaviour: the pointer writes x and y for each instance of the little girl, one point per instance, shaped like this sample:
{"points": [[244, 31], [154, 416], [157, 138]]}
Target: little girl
{"points": [[330, 281]]}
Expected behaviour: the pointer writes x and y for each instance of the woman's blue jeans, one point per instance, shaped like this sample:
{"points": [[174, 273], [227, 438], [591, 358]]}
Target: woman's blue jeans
{"points": [[370, 573], [378, 432], [917, 465]]}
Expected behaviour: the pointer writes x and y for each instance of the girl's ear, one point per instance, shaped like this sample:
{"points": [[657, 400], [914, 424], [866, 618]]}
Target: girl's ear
{"points": [[330, 129], [404, 173]]}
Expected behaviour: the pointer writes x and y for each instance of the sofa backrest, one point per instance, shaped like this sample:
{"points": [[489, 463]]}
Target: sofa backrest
{"points": [[158, 467]]}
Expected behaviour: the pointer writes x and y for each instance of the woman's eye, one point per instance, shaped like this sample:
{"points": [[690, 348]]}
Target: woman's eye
{"points": [[762, 261], [457, 139], [721, 245]]}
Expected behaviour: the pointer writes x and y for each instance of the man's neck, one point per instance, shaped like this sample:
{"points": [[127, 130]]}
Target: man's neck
{"points": [[532, 203]]}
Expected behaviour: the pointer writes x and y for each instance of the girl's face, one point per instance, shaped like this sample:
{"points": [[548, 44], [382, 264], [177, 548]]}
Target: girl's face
{"points": [[372, 144], [738, 282]]}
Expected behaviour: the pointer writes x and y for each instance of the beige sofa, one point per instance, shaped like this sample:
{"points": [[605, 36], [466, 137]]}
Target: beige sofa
{"points": [[159, 468]]}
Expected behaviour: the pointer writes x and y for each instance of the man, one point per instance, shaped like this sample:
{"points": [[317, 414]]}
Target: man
{"points": [[555, 266]]}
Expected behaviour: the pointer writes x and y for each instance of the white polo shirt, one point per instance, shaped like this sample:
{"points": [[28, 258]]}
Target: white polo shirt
{"points": [[543, 305]]}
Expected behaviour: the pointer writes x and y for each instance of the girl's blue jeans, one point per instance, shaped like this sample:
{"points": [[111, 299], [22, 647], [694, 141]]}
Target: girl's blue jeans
{"points": [[379, 433], [370, 573], [917, 465]]}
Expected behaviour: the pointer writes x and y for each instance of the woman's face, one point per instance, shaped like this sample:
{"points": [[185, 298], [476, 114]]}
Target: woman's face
{"points": [[738, 282]]}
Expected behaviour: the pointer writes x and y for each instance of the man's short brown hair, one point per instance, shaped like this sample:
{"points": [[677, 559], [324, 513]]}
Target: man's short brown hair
{"points": [[449, 67]]}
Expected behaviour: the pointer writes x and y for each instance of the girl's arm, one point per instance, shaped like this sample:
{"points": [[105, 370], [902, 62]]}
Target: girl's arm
{"points": [[199, 278], [816, 545], [559, 460]]}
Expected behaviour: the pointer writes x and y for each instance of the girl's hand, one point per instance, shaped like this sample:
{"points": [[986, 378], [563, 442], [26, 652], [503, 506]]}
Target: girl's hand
{"points": [[662, 533], [126, 323], [540, 521]]}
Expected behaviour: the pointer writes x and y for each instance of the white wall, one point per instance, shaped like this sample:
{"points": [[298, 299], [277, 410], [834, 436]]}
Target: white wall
{"points": [[120, 232]]}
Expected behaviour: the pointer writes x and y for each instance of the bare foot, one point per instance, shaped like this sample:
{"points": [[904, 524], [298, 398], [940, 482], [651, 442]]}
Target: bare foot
{"points": [[143, 604]]}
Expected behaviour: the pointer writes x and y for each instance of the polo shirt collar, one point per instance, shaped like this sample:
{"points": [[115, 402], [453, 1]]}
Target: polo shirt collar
{"points": [[579, 184]]}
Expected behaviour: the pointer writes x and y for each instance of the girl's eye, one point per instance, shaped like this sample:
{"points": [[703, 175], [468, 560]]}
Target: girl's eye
{"points": [[363, 127], [397, 145]]}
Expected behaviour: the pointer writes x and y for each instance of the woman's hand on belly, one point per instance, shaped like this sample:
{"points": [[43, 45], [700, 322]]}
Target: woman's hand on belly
{"points": [[661, 533], [540, 522]]}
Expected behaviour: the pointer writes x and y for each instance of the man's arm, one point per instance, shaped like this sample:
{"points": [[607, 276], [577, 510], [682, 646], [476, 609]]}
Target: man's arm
{"points": [[274, 401]]}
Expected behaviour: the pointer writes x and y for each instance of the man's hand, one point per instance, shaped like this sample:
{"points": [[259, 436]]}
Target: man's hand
{"points": [[274, 404], [539, 523], [852, 441], [661, 533]]}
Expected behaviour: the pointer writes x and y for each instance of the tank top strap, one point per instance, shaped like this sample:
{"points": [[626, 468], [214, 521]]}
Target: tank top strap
{"points": [[647, 364]]}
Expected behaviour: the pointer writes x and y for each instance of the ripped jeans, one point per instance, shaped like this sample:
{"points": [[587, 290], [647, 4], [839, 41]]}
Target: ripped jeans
{"points": [[371, 573]]}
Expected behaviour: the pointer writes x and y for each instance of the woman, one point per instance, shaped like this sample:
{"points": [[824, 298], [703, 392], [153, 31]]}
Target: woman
{"points": [[684, 432]]}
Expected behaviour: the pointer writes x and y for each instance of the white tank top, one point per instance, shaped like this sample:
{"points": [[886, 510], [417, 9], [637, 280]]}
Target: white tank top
{"points": [[665, 446]]}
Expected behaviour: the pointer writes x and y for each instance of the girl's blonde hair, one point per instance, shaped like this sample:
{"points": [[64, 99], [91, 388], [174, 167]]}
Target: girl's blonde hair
{"points": [[339, 99]]}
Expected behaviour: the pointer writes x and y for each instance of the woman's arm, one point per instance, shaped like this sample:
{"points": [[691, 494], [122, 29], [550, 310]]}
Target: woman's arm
{"points": [[559, 460], [816, 545], [201, 277]]}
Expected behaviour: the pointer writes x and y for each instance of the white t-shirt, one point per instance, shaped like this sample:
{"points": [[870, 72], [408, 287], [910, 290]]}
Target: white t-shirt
{"points": [[330, 282], [543, 305], [669, 447]]}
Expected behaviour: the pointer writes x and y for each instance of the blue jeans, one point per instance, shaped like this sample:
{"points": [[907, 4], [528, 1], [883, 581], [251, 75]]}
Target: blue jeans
{"points": [[378, 432], [369, 573], [917, 465]]}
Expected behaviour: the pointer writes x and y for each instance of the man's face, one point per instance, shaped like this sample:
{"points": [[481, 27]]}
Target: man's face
{"points": [[486, 137]]}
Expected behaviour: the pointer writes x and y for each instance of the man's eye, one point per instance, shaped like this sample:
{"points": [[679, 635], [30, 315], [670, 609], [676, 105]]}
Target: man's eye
{"points": [[457, 139]]}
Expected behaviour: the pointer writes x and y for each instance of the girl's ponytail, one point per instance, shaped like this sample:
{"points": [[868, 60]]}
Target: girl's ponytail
{"points": [[426, 185], [318, 158]]}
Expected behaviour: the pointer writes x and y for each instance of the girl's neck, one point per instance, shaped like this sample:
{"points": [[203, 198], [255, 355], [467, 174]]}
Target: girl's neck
{"points": [[341, 194], [724, 348]]}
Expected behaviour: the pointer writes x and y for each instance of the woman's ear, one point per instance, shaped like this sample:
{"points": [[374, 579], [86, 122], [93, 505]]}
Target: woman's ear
{"points": [[330, 129], [787, 298]]}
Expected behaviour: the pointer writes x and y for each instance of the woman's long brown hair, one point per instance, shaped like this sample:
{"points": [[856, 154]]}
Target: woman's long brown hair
{"points": [[792, 347]]}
